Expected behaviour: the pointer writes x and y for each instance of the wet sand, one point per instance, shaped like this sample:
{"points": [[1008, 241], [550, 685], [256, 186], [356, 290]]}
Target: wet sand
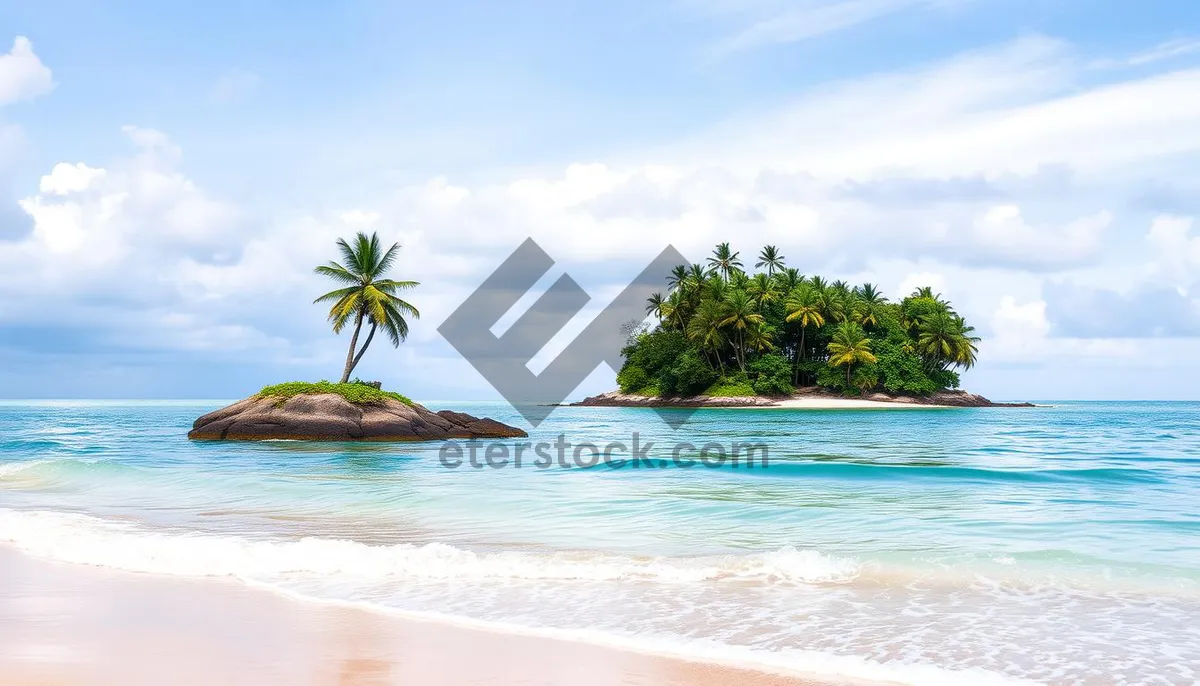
{"points": [[71, 625]]}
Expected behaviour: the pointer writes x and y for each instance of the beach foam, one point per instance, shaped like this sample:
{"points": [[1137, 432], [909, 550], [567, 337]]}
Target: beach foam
{"points": [[268, 564], [90, 540]]}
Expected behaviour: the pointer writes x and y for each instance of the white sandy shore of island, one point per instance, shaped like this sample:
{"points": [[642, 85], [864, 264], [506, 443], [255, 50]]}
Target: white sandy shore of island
{"points": [[74, 625], [818, 403]]}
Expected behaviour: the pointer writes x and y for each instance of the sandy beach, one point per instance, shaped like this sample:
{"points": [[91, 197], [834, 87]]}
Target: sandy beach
{"points": [[75, 625], [822, 403]]}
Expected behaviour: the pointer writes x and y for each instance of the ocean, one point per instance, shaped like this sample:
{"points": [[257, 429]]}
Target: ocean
{"points": [[1049, 545]]}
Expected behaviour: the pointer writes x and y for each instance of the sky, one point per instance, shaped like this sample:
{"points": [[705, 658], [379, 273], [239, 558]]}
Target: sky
{"points": [[170, 173]]}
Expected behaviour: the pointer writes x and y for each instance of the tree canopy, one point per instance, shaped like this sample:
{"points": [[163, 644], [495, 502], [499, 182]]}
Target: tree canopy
{"points": [[722, 331]]}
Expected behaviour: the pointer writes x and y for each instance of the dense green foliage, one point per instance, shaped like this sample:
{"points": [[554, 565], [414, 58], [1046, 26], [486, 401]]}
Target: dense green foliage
{"points": [[356, 392], [724, 332]]}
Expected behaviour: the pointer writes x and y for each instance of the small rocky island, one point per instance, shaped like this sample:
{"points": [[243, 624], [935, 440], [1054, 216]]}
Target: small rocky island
{"points": [[340, 412]]}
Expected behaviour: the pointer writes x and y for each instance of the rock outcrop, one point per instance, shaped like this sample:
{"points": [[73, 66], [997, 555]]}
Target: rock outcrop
{"points": [[330, 417]]}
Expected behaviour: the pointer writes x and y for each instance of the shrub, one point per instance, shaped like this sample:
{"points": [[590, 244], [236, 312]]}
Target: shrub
{"points": [[772, 375], [732, 385], [632, 378], [901, 371], [945, 378], [689, 375], [656, 351]]}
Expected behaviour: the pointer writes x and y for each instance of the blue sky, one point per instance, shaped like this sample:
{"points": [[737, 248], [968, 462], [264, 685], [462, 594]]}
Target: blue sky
{"points": [[170, 172]]}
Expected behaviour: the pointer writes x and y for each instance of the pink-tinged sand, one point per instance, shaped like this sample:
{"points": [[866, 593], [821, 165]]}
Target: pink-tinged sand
{"points": [[71, 625]]}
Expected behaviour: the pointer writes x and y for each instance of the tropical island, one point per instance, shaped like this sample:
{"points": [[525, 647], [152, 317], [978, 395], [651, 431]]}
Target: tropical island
{"points": [[725, 337], [350, 410]]}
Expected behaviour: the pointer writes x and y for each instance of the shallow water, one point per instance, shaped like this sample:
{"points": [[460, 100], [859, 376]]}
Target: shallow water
{"points": [[1046, 545]]}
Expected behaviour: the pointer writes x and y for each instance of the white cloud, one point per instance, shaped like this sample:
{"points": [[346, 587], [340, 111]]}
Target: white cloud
{"points": [[70, 178], [1021, 332], [1176, 251], [22, 74], [1002, 232], [98, 226]]}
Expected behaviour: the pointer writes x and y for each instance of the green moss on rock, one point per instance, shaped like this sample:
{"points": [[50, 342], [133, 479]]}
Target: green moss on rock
{"points": [[357, 393]]}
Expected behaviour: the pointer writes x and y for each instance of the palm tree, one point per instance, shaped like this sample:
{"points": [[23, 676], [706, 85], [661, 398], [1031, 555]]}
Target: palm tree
{"points": [[758, 339], [654, 305], [849, 346], [763, 289], [738, 279], [679, 275], [967, 347], [869, 302], [771, 259], [803, 306], [869, 292], [835, 303], [789, 279], [940, 339], [716, 288], [674, 311], [725, 260], [365, 295], [705, 330], [697, 276], [740, 314]]}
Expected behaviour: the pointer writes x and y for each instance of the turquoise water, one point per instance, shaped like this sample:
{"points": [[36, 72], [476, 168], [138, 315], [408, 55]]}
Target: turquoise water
{"points": [[1055, 545]]}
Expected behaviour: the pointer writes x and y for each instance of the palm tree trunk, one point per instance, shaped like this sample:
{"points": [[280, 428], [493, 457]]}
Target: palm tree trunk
{"points": [[353, 344], [799, 355], [363, 349]]}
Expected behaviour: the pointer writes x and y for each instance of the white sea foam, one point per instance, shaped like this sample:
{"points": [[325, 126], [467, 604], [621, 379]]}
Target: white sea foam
{"points": [[90, 540], [810, 663], [271, 564]]}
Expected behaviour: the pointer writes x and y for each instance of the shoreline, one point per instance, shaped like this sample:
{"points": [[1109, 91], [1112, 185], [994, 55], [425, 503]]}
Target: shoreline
{"points": [[802, 399], [66, 623]]}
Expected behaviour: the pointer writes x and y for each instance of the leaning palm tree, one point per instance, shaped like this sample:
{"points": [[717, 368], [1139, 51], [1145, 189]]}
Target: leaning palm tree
{"points": [[365, 295], [849, 346], [967, 349], [770, 258], [725, 260]]}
